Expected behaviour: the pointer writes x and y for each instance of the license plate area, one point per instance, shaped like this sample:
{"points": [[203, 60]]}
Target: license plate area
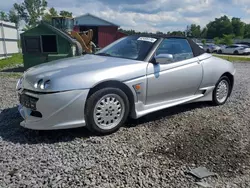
{"points": [[28, 101]]}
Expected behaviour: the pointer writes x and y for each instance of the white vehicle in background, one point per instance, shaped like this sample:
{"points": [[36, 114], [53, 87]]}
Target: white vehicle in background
{"points": [[211, 48], [200, 45], [237, 49]]}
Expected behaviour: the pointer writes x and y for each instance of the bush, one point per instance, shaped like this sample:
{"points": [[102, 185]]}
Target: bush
{"points": [[227, 39], [203, 41], [217, 40]]}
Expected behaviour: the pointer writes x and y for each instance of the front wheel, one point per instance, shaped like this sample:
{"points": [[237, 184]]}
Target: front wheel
{"points": [[221, 91], [106, 110]]}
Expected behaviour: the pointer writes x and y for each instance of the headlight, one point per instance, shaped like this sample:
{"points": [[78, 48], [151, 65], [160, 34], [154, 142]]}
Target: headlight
{"points": [[19, 83], [42, 84], [45, 85]]}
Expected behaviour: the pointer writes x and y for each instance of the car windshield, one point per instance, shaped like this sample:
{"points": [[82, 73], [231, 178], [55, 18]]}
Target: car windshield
{"points": [[131, 47]]}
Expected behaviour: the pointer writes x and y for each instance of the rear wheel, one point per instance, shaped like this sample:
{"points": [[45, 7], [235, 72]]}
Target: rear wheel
{"points": [[220, 52], [236, 52], [106, 110], [208, 51], [221, 91]]}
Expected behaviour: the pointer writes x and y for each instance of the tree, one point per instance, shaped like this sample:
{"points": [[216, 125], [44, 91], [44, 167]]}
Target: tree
{"points": [[176, 33], [3, 16], [195, 31], [247, 31], [66, 14], [203, 41], [217, 40], [227, 39], [31, 11], [221, 26], [14, 17], [238, 27], [204, 33], [159, 33], [48, 16]]}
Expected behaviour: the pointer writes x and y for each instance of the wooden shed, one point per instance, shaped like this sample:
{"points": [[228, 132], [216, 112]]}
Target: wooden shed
{"points": [[105, 32]]}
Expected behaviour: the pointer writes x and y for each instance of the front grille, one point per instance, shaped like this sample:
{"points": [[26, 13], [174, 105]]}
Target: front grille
{"points": [[28, 101]]}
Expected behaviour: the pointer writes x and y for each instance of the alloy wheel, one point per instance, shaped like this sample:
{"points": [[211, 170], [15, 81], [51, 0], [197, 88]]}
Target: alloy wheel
{"points": [[109, 111]]}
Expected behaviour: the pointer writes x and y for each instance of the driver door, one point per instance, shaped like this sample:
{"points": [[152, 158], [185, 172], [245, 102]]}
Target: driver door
{"points": [[175, 80]]}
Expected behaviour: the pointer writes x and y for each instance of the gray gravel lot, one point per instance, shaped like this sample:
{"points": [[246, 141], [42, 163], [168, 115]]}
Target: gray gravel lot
{"points": [[154, 151]]}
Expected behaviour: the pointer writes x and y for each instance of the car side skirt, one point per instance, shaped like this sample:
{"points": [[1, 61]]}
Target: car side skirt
{"points": [[203, 94]]}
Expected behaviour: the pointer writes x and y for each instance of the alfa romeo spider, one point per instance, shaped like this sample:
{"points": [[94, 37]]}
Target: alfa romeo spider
{"points": [[132, 77]]}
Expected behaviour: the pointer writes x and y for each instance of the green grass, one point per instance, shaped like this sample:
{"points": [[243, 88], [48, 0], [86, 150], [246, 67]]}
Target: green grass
{"points": [[233, 58], [11, 75], [16, 59]]}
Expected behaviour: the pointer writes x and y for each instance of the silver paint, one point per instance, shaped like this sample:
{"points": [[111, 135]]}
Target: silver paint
{"points": [[62, 103], [222, 91], [109, 111]]}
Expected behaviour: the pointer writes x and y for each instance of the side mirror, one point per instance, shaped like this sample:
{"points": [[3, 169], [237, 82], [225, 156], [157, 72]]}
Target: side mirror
{"points": [[164, 58]]}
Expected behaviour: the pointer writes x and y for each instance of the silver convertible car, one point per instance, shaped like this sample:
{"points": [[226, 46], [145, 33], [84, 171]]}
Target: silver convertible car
{"points": [[133, 76]]}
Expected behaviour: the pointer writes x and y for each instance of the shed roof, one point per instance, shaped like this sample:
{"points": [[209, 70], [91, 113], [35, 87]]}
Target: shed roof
{"points": [[91, 20]]}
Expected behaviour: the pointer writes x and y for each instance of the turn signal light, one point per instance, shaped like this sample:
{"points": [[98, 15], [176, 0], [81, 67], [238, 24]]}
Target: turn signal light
{"points": [[138, 87]]}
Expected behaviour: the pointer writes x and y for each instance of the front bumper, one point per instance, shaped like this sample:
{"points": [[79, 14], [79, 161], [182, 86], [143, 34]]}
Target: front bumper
{"points": [[60, 110]]}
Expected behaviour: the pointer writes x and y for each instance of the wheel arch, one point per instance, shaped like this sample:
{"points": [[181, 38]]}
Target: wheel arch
{"points": [[115, 84], [231, 79]]}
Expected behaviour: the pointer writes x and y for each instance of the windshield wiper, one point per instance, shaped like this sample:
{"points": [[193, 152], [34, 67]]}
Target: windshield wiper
{"points": [[103, 54]]}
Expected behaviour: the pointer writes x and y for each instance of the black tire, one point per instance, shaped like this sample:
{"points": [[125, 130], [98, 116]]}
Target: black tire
{"points": [[215, 100], [90, 107], [208, 51], [236, 52], [220, 52]]}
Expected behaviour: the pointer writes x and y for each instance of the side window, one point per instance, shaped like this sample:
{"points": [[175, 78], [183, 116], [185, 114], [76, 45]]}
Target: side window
{"points": [[179, 48]]}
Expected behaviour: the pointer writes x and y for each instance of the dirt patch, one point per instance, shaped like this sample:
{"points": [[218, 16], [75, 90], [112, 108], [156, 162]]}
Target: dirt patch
{"points": [[218, 150]]}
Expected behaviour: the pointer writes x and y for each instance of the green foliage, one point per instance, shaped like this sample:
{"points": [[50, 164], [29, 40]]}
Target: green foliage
{"points": [[238, 27], [31, 11], [15, 75], [14, 17], [3, 16], [176, 33], [221, 26], [203, 41], [228, 39], [11, 61], [247, 31], [48, 16], [65, 13], [195, 31], [233, 58], [159, 33], [204, 33], [133, 32], [217, 40]]}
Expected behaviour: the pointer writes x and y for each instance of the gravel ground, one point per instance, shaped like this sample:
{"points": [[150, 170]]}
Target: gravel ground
{"points": [[154, 151]]}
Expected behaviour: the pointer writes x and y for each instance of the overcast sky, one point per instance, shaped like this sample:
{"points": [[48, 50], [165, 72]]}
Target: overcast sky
{"points": [[152, 15]]}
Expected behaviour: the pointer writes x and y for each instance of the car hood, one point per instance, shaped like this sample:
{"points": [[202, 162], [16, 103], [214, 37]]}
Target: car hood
{"points": [[83, 72]]}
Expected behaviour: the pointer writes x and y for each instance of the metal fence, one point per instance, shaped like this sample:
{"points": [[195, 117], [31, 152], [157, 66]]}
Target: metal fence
{"points": [[8, 39]]}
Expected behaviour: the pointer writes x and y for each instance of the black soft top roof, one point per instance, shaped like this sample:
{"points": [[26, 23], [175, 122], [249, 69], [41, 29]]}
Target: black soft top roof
{"points": [[197, 51]]}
